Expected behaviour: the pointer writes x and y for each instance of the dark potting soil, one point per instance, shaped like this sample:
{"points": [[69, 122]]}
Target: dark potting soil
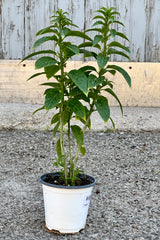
{"points": [[57, 180]]}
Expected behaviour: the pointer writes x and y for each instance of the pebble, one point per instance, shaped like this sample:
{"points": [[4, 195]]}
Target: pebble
{"points": [[125, 201]]}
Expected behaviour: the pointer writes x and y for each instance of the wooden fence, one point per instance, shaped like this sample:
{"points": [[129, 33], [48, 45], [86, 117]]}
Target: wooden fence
{"points": [[21, 19]]}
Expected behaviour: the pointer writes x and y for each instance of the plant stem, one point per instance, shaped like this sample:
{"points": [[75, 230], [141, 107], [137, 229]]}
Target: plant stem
{"points": [[105, 40], [62, 116], [104, 49], [69, 140], [70, 152], [90, 112], [84, 129]]}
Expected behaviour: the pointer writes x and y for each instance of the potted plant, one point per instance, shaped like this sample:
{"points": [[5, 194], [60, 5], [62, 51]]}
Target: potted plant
{"points": [[75, 95]]}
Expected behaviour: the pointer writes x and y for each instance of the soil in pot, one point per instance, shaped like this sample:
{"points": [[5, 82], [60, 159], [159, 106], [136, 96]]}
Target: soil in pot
{"points": [[57, 180]]}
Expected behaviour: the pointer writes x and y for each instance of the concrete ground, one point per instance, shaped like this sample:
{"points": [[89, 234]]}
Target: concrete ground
{"points": [[19, 116], [125, 200]]}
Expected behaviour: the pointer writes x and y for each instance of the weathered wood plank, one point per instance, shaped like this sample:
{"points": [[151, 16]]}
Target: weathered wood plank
{"points": [[21, 19], [136, 29], [13, 29], [152, 32], [37, 15], [1, 51]]}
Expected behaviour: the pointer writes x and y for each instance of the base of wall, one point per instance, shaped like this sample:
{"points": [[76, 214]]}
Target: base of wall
{"points": [[145, 90]]}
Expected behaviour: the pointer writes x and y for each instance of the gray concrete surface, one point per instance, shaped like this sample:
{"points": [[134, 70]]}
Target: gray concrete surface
{"points": [[125, 201], [19, 116]]}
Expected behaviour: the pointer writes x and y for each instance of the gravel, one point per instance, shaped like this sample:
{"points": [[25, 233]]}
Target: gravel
{"points": [[125, 201]]}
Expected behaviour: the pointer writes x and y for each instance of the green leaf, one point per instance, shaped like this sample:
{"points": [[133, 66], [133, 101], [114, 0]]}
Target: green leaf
{"points": [[55, 129], [98, 23], [83, 151], [78, 134], [113, 124], [110, 9], [101, 60], [78, 34], [77, 107], [67, 51], [51, 70], [122, 35], [99, 17], [58, 148], [113, 72], [94, 81], [117, 44], [45, 62], [85, 44], [89, 44], [47, 30], [73, 48], [55, 20], [87, 115], [115, 96], [52, 98], [74, 25], [44, 39], [55, 118], [80, 79], [111, 18], [66, 114], [35, 75], [39, 109], [123, 72], [108, 84], [86, 68], [97, 39], [64, 31], [95, 29], [88, 53], [118, 22], [52, 84], [102, 11], [103, 108], [113, 32], [114, 51], [39, 52], [76, 92], [115, 13]]}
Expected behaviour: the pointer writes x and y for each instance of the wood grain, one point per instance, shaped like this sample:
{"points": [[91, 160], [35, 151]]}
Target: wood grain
{"points": [[21, 19]]}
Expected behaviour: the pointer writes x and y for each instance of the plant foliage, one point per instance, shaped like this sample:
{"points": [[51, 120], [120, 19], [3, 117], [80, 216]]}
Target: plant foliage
{"points": [[79, 92]]}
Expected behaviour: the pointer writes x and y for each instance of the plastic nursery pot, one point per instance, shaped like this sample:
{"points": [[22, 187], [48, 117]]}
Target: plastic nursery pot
{"points": [[66, 207]]}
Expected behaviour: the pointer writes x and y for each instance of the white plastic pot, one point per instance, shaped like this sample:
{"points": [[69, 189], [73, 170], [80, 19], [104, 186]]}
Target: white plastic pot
{"points": [[66, 208]]}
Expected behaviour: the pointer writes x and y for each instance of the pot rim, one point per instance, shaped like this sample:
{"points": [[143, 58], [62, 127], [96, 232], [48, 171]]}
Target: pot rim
{"points": [[42, 180]]}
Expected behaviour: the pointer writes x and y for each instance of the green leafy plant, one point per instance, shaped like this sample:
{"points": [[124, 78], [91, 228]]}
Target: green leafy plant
{"points": [[79, 92]]}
